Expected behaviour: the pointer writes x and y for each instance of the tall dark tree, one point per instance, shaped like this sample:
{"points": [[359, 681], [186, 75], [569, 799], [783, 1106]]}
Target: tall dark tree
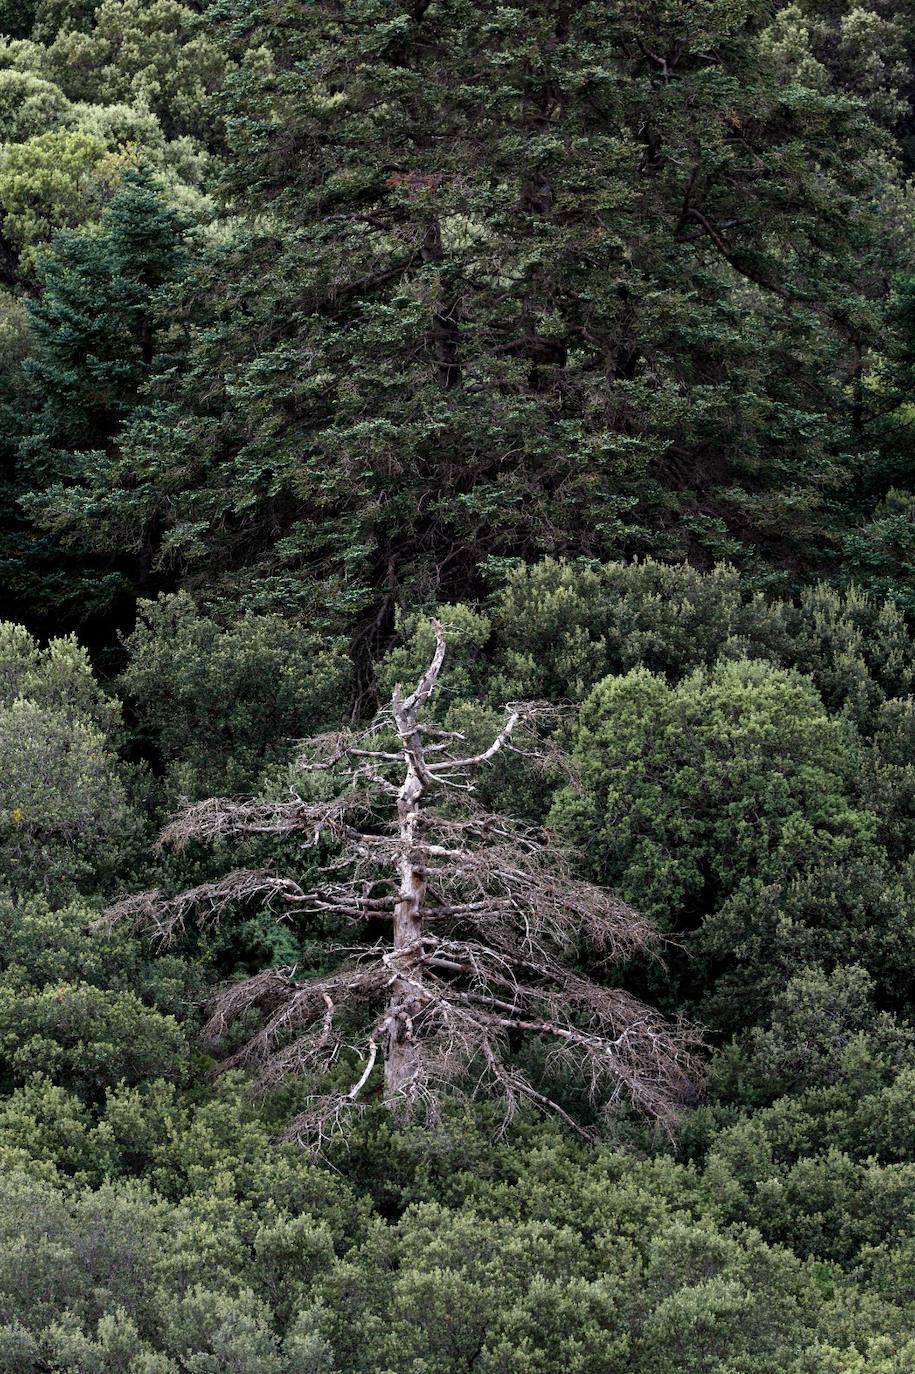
{"points": [[515, 279], [97, 336]]}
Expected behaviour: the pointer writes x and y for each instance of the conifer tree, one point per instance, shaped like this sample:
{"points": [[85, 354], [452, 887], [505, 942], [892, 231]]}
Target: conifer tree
{"points": [[97, 334], [95, 323], [516, 279]]}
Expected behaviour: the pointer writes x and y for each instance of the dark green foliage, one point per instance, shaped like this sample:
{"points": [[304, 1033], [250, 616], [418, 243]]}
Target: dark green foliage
{"points": [[219, 704], [56, 16], [601, 1262], [736, 807], [688, 791], [564, 626], [83, 1009], [827, 1047], [49, 948], [513, 284], [557, 628], [96, 337], [589, 328], [17, 18]]}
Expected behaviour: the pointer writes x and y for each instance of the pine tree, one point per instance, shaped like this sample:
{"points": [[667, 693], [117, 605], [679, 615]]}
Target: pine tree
{"points": [[95, 323], [97, 337], [515, 279]]}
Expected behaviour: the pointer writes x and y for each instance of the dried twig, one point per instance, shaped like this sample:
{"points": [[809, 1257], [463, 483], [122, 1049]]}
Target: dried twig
{"points": [[484, 918]]}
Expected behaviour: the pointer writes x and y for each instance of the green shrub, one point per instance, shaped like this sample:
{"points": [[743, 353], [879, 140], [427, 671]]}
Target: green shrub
{"points": [[219, 704], [729, 807], [558, 628], [65, 817]]}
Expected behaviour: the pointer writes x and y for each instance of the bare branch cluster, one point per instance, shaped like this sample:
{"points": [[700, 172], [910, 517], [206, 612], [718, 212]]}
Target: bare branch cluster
{"points": [[220, 818], [469, 1008], [484, 920], [163, 918]]}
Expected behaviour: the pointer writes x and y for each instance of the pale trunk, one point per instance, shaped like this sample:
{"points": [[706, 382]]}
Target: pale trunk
{"points": [[400, 1059]]}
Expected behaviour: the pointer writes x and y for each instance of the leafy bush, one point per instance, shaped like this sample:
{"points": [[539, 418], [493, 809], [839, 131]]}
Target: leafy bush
{"points": [[561, 627], [730, 805], [219, 704], [65, 818]]}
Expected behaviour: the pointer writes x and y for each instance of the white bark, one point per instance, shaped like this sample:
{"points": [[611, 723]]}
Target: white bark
{"points": [[401, 1058]]}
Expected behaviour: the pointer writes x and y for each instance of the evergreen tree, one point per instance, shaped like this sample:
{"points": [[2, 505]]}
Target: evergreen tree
{"points": [[97, 336], [95, 326], [515, 279]]}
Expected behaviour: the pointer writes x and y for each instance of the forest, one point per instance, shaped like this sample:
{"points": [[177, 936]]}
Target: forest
{"points": [[457, 686]]}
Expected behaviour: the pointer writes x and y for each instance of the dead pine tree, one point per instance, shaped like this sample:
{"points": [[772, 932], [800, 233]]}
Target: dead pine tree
{"points": [[480, 921]]}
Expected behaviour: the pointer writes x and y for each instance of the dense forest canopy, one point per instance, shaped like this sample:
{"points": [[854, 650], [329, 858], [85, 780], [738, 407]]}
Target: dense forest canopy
{"points": [[457, 686]]}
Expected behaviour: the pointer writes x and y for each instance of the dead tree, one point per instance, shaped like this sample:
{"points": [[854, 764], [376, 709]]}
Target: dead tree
{"points": [[481, 921]]}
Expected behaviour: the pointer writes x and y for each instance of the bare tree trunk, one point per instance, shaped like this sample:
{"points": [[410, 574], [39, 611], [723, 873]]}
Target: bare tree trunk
{"points": [[401, 1059]]}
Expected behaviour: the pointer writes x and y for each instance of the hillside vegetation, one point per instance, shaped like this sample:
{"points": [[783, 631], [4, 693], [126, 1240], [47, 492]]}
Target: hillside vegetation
{"points": [[457, 687]]}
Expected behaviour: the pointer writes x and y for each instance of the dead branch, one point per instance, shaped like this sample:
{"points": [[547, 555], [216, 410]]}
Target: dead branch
{"points": [[482, 916], [220, 818], [163, 918]]}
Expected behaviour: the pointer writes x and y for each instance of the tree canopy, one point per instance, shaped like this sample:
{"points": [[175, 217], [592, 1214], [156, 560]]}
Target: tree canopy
{"points": [[457, 686]]}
